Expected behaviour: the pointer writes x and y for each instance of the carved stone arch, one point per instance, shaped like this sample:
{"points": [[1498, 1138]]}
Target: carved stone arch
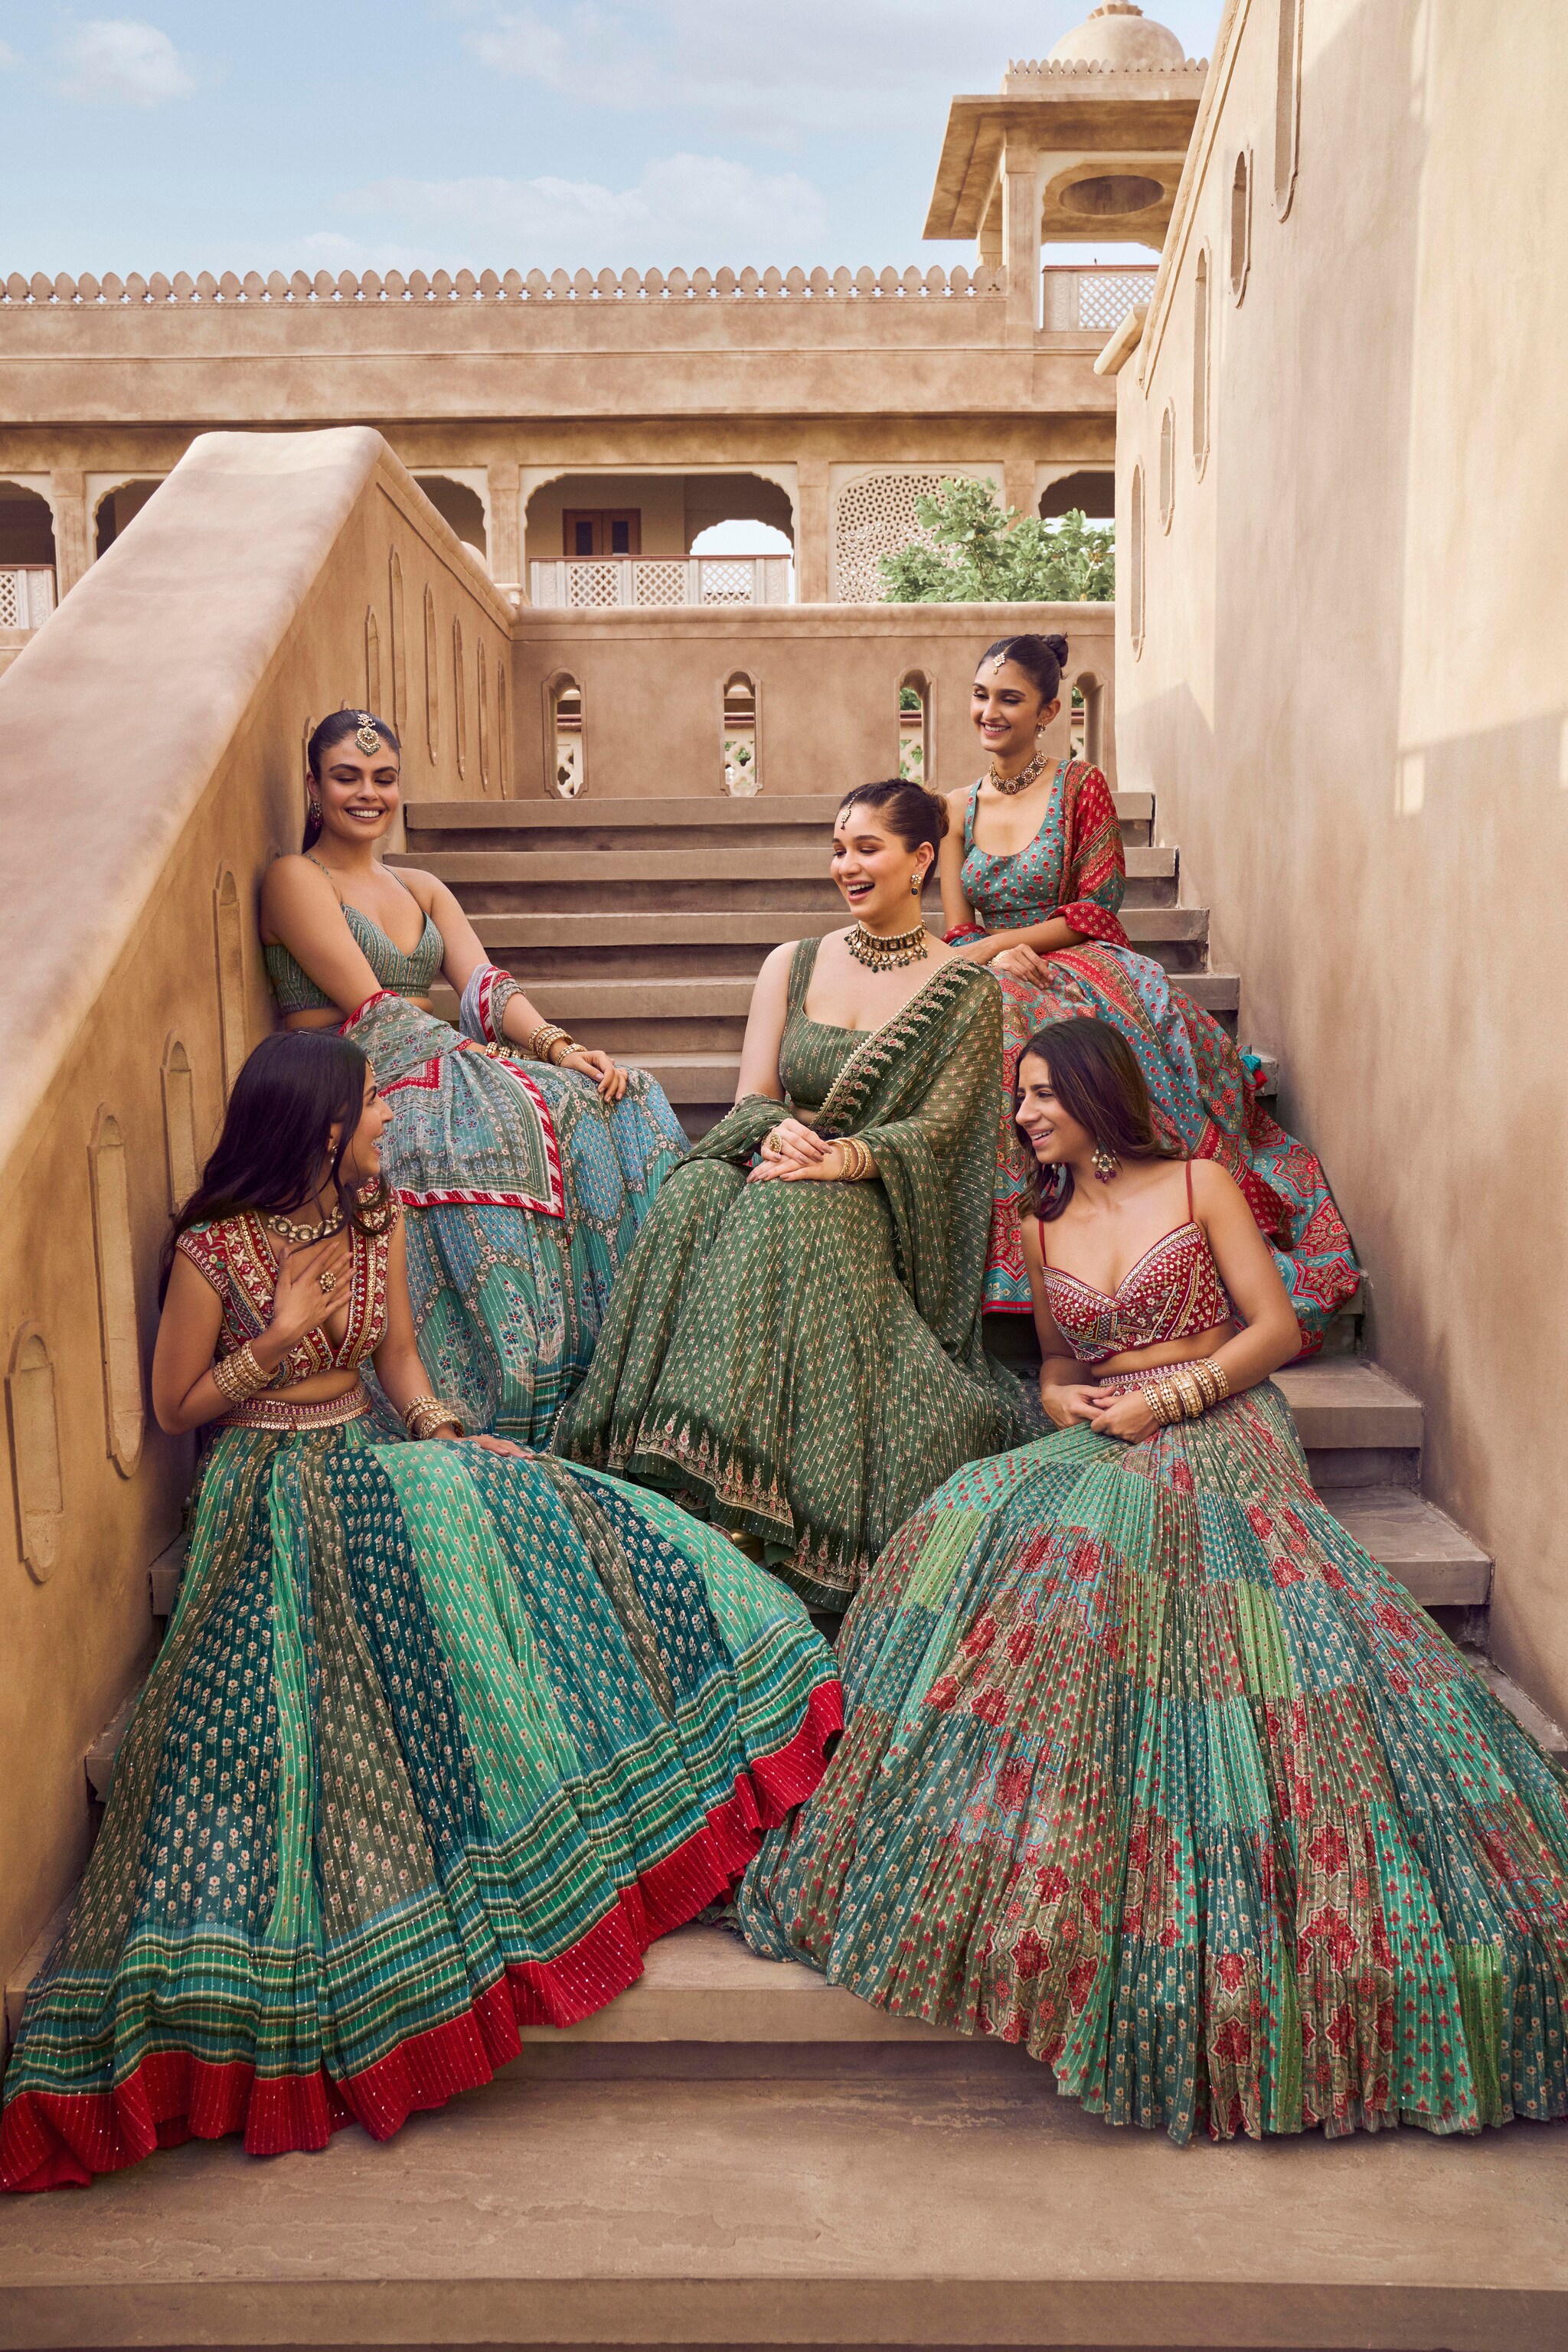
{"points": [[565, 749], [504, 730], [481, 672], [741, 734], [371, 661], [228, 940], [432, 679], [916, 706], [33, 1412], [1137, 532], [124, 1412], [179, 1122], [1288, 106], [459, 697], [399, 641]]}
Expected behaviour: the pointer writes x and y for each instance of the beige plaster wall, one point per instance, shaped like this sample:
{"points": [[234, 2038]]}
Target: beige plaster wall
{"points": [[150, 743], [828, 679], [1352, 693]]}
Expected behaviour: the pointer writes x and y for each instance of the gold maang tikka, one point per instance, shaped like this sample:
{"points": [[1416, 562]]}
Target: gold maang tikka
{"points": [[369, 735]]}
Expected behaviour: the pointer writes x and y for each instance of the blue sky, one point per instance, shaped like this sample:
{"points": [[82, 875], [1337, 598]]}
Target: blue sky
{"points": [[426, 133]]}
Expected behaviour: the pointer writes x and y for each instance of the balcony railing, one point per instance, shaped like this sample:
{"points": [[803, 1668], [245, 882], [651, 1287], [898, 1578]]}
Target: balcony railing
{"points": [[1092, 301], [600, 584], [26, 595]]}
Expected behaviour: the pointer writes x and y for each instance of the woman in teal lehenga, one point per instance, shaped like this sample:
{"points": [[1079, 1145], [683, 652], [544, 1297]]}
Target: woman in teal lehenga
{"points": [[442, 1736], [527, 1163]]}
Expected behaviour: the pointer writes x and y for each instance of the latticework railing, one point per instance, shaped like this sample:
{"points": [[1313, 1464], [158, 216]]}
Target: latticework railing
{"points": [[26, 595], [933, 285], [602, 583], [1083, 301]]}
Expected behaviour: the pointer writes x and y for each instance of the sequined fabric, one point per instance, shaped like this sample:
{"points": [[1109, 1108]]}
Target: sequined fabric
{"points": [[802, 1361], [1205, 1101], [235, 1258], [1150, 1769], [1173, 1293], [438, 1743]]}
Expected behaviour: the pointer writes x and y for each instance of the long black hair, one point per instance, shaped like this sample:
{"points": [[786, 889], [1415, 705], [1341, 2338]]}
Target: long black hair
{"points": [[275, 1151], [333, 731], [1096, 1078]]}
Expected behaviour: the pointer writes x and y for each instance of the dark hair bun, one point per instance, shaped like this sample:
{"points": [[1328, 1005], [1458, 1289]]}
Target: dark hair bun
{"points": [[908, 810], [1040, 659], [1056, 644]]}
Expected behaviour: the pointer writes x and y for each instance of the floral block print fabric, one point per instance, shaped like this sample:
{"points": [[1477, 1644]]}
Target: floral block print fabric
{"points": [[1074, 866], [438, 1744], [802, 1363], [1150, 1769], [524, 1193]]}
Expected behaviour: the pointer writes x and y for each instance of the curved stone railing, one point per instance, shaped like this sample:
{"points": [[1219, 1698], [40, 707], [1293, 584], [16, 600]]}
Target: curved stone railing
{"points": [[797, 285]]}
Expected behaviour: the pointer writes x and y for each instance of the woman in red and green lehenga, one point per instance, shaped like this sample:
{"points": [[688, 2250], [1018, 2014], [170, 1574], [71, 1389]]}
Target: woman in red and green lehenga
{"points": [[1032, 879], [443, 1734], [1148, 1766]]}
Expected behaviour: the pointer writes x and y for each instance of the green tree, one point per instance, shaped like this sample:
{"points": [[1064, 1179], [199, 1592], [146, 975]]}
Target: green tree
{"points": [[984, 553]]}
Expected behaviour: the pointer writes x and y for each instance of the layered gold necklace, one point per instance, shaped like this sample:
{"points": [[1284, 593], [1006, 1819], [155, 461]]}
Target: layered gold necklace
{"points": [[879, 954], [1008, 785], [294, 1233]]}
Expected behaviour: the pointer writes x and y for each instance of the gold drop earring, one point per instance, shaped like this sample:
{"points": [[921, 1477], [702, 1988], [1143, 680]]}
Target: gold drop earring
{"points": [[1104, 1163]]}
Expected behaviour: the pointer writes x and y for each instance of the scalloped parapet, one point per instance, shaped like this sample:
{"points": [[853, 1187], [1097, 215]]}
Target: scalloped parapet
{"points": [[1026, 76], [797, 284]]}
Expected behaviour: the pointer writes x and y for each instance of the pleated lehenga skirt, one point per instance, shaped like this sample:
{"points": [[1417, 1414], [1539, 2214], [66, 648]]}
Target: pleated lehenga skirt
{"points": [[1150, 1769], [437, 1745]]}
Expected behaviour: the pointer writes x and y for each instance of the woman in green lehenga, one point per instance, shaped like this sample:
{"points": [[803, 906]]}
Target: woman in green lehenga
{"points": [[793, 1347], [443, 1734]]}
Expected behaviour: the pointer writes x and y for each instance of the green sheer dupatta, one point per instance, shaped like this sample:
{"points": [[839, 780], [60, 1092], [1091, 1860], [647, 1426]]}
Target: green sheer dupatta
{"points": [[923, 1092]]}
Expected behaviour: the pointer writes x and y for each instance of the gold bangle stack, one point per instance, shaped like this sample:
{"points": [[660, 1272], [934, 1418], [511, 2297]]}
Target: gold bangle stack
{"points": [[428, 1413], [857, 1161], [239, 1376], [1187, 1390], [541, 1046]]}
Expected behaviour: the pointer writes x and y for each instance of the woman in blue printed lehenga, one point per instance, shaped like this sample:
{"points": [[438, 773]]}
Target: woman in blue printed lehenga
{"points": [[527, 1162]]}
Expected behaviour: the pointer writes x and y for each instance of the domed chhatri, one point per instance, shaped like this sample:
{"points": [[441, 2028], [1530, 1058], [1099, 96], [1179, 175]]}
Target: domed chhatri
{"points": [[1118, 34]]}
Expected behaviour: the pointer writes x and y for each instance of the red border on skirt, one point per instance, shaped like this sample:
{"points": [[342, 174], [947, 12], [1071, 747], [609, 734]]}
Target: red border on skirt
{"points": [[56, 2140]]}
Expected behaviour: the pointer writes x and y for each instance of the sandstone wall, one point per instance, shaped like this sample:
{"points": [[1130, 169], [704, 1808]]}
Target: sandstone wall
{"points": [[150, 762], [1352, 696]]}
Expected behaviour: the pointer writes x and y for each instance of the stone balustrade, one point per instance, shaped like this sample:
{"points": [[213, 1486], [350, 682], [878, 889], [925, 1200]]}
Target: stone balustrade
{"points": [[1077, 301], [26, 595], [590, 584], [639, 286]]}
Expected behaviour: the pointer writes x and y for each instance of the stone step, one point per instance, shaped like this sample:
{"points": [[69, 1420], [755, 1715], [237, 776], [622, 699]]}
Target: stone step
{"points": [[431, 826], [656, 945], [833, 2195], [697, 876], [1358, 1426], [1437, 1561]]}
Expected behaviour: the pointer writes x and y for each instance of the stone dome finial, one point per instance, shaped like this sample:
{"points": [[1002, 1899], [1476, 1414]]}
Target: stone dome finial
{"points": [[1118, 34]]}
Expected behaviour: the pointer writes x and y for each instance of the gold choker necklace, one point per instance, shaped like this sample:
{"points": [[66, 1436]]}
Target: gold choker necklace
{"points": [[294, 1233], [886, 954], [1008, 785]]}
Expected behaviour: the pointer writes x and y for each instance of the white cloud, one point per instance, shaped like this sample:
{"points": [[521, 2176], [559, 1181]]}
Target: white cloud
{"points": [[10, 60], [684, 209], [776, 71], [115, 61]]}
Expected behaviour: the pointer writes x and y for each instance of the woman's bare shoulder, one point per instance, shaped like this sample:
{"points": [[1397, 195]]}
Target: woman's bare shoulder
{"points": [[295, 882]]}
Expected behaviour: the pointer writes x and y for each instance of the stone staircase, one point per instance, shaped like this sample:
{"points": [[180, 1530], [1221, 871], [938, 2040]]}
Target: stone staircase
{"points": [[736, 2153]]}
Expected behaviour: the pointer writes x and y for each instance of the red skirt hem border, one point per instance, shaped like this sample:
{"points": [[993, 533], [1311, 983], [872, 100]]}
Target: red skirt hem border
{"points": [[55, 2140]]}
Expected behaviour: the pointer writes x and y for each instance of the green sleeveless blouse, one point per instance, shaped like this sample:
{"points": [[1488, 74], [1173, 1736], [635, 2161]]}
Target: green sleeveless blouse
{"points": [[405, 975]]}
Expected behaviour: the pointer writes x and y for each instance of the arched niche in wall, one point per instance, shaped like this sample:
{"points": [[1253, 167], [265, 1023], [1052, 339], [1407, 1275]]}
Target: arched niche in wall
{"points": [[432, 677], [123, 1409], [1167, 466], [35, 1428], [228, 944], [914, 726], [1240, 224], [1089, 718], [460, 698], [741, 730], [179, 1123], [1202, 367], [504, 730], [1288, 106], [1135, 559], [27, 574], [481, 673], [565, 764], [459, 505], [117, 508], [399, 627], [371, 661]]}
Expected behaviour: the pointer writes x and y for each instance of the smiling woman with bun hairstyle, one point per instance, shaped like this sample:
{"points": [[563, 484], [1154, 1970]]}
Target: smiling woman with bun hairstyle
{"points": [[1032, 881]]}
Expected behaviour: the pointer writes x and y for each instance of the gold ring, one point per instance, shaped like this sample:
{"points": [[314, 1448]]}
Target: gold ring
{"points": [[326, 1281]]}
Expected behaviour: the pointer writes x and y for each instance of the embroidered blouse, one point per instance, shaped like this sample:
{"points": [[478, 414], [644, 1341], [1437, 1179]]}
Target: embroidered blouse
{"points": [[233, 1257], [402, 975], [1073, 867], [1174, 1292]]}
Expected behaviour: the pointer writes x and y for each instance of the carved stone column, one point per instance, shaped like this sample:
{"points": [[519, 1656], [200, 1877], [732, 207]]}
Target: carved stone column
{"points": [[1018, 483], [67, 504], [812, 569], [505, 523], [1021, 240]]}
